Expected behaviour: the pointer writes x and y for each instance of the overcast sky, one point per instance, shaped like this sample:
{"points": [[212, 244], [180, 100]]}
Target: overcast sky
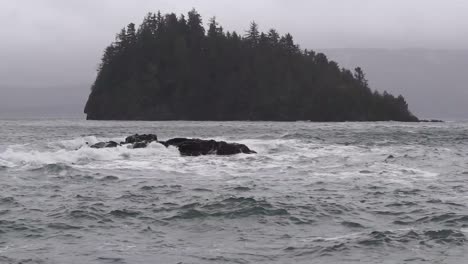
{"points": [[52, 47]]}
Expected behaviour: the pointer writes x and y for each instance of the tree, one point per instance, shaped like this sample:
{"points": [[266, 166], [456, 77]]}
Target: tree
{"points": [[213, 30], [287, 43], [195, 25], [273, 37], [253, 34], [360, 77], [131, 34]]}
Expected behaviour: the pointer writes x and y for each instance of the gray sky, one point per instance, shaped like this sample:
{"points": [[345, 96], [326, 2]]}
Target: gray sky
{"points": [[50, 49]]}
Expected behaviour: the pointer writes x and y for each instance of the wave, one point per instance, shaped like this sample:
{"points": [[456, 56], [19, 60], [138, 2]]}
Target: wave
{"points": [[74, 144], [446, 219], [401, 238], [231, 208], [124, 213], [446, 236], [63, 226], [352, 224], [8, 201], [5, 164], [19, 226], [423, 237], [56, 168], [75, 153], [242, 189], [301, 135], [449, 219], [310, 157], [85, 215], [64, 155]]}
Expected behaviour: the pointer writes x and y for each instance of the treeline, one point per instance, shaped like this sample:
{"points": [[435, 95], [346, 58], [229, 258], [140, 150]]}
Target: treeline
{"points": [[172, 68]]}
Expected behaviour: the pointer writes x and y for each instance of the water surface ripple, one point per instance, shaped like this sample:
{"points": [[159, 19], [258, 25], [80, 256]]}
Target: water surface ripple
{"points": [[315, 193]]}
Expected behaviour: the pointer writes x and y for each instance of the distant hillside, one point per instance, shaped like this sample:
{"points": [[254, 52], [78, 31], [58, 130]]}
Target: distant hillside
{"points": [[170, 68], [433, 81]]}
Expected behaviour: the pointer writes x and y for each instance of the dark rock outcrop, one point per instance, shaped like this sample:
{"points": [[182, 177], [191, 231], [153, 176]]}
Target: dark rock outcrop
{"points": [[148, 138], [431, 121], [174, 142], [197, 147], [186, 146], [233, 148], [140, 141], [138, 145], [110, 144]]}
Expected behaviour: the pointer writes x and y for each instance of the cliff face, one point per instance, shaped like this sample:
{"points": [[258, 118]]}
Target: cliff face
{"points": [[171, 69]]}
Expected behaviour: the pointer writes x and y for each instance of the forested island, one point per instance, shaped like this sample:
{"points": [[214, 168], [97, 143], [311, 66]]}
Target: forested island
{"points": [[172, 68]]}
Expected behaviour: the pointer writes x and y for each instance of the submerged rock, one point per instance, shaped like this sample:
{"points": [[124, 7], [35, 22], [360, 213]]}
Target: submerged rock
{"points": [[389, 158], [110, 144]]}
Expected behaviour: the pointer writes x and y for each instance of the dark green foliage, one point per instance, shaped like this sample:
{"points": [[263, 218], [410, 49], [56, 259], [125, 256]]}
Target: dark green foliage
{"points": [[170, 68]]}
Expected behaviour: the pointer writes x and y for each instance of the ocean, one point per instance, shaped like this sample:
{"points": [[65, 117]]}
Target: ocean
{"points": [[383, 192]]}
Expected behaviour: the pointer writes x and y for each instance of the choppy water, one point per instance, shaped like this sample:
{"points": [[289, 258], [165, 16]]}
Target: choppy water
{"points": [[314, 193]]}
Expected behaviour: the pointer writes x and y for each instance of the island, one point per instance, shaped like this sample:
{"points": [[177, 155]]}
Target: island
{"points": [[172, 68]]}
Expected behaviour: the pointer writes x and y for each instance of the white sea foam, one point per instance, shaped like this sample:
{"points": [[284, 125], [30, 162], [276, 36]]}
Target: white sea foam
{"points": [[4, 163], [75, 152], [315, 159], [77, 143]]}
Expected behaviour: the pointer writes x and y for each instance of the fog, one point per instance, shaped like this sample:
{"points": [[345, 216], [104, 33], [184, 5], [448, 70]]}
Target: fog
{"points": [[50, 49]]}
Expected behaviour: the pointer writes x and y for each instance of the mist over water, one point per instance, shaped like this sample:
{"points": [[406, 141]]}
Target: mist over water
{"points": [[315, 193]]}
